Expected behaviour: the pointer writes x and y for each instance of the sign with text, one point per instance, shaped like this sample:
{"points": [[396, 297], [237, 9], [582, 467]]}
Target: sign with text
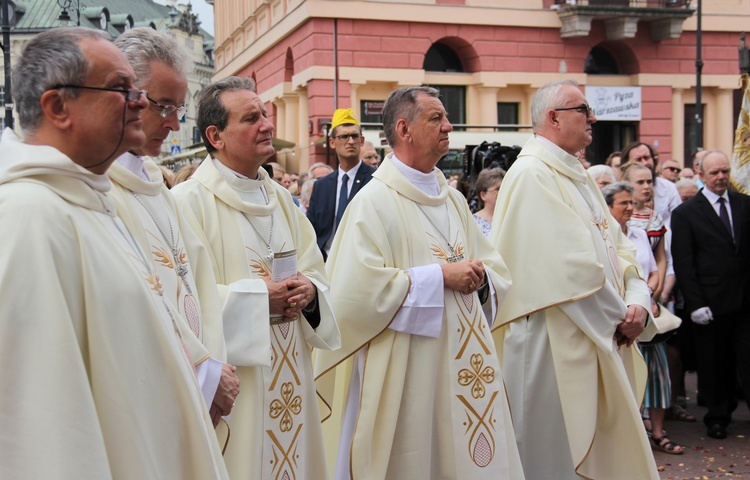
{"points": [[615, 103]]}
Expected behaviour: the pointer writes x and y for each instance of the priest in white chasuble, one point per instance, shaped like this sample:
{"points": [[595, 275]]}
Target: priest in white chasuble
{"points": [[575, 378], [274, 290], [415, 287], [148, 209], [96, 382]]}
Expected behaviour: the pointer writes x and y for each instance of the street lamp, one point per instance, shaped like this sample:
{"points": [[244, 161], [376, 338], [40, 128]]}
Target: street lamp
{"points": [[64, 17]]}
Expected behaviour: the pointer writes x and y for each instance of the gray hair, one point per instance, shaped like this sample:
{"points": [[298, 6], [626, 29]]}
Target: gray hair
{"points": [[598, 171], [143, 44], [686, 183], [613, 189], [403, 103], [305, 192], [51, 58], [711, 152], [546, 98], [317, 165], [211, 111]]}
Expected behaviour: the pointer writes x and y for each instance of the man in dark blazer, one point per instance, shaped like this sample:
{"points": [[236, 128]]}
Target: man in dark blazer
{"points": [[332, 193], [711, 252]]}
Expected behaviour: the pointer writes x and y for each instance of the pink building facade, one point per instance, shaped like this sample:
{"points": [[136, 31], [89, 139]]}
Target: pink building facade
{"points": [[488, 58]]}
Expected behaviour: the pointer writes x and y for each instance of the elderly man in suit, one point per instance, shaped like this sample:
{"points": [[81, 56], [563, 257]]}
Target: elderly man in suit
{"points": [[711, 250], [333, 192]]}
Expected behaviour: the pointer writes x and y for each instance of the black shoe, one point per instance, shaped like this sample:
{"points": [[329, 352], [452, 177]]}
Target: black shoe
{"points": [[716, 430]]}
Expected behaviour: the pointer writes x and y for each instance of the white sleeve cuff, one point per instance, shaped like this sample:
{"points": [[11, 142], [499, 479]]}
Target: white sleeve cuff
{"points": [[209, 375], [247, 328], [422, 311]]}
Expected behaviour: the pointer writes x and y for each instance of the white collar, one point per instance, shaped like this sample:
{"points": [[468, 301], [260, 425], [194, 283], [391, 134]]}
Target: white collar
{"points": [[426, 182], [712, 197], [134, 163], [351, 173]]}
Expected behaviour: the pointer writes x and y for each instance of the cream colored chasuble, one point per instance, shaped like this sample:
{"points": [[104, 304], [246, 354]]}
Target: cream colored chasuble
{"points": [[152, 216], [429, 408], [107, 389], [275, 424], [573, 393]]}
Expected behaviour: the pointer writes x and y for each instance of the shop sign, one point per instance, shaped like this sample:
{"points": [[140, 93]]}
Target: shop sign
{"points": [[615, 103]]}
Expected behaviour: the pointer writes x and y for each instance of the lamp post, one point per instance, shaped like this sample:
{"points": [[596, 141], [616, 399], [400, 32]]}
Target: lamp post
{"points": [[8, 98], [64, 17], [698, 71]]}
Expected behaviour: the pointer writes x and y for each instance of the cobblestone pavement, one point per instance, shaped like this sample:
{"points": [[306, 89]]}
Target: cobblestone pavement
{"points": [[704, 457]]}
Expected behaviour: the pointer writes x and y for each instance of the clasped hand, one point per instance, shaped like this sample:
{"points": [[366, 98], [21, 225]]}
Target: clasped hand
{"points": [[633, 325], [290, 296], [465, 276]]}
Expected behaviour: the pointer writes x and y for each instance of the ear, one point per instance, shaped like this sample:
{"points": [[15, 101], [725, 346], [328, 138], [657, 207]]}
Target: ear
{"points": [[402, 129], [55, 109], [552, 117], [214, 136], [332, 142]]}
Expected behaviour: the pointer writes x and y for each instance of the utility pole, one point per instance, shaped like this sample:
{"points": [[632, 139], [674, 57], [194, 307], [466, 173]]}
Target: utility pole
{"points": [[8, 98], [698, 71]]}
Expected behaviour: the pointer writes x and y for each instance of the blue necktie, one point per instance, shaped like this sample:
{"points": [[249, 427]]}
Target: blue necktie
{"points": [[724, 215], [343, 200]]}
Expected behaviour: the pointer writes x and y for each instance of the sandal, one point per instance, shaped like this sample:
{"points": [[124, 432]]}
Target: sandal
{"points": [[676, 412], [664, 444]]}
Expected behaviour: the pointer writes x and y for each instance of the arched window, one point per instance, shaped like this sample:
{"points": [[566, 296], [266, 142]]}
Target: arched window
{"points": [[442, 58], [288, 66], [600, 62]]}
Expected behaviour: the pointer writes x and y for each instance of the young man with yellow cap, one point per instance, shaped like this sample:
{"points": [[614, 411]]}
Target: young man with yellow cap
{"points": [[333, 192]]}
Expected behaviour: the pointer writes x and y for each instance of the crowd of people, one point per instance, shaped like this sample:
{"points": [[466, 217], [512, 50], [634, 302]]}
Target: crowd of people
{"points": [[363, 322]]}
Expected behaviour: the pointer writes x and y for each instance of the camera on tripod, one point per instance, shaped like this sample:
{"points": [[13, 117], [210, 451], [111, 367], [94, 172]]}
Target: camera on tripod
{"points": [[487, 155]]}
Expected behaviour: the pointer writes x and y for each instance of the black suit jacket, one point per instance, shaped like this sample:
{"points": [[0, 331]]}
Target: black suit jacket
{"points": [[712, 270], [322, 209]]}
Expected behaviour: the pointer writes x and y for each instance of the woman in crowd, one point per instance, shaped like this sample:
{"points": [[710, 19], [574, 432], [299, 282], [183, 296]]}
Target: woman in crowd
{"points": [[602, 175], [488, 183], [658, 390], [619, 198]]}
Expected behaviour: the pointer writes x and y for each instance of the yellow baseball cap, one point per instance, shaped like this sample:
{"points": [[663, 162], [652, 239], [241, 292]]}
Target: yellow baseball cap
{"points": [[343, 116]]}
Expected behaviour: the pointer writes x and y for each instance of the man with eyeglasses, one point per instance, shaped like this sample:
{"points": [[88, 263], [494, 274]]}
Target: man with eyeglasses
{"points": [[666, 198], [96, 382], [333, 192], [148, 209], [577, 304], [670, 170]]}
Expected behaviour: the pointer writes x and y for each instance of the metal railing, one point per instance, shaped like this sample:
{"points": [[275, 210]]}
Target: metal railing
{"points": [[627, 3]]}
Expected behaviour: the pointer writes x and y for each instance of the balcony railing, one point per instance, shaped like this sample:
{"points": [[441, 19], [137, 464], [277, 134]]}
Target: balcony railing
{"points": [[621, 17], [627, 3]]}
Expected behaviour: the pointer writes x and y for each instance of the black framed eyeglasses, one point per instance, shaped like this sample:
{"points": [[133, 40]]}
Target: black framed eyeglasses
{"points": [[131, 94], [345, 137], [584, 109], [167, 110], [673, 169]]}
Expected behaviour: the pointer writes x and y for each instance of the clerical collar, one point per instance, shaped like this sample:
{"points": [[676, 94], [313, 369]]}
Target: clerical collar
{"points": [[426, 182], [242, 184], [135, 164], [559, 153]]}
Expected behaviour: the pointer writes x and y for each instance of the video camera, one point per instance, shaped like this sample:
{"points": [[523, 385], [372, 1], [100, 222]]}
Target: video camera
{"points": [[487, 155]]}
